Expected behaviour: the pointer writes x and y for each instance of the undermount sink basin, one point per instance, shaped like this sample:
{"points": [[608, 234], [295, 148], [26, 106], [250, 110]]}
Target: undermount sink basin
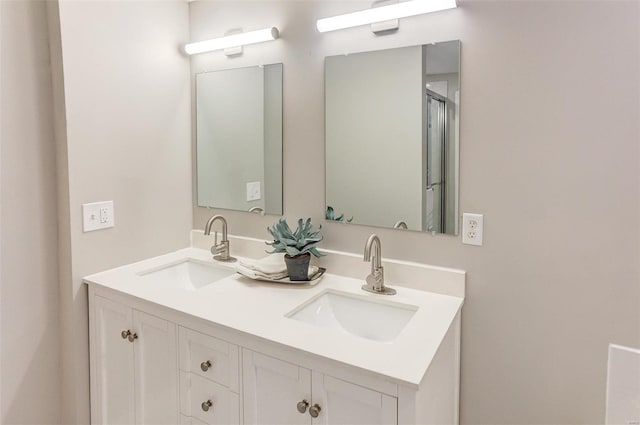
{"points": [[377, 320], [188, 274]]}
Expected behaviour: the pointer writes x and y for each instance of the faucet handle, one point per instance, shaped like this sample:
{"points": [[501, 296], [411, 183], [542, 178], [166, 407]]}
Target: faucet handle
{"points": [[215, 249], [221, 252], [375, 283], [376, 278]]}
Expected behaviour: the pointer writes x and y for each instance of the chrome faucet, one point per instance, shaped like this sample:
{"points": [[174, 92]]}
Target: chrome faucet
{"points": [[375, 281], [220, 250], [400, 225]]}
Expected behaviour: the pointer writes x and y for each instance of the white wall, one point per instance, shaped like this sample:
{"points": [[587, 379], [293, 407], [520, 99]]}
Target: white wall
{"points": [[364, 93], [556, 175], [30, 335], [127, 102]]}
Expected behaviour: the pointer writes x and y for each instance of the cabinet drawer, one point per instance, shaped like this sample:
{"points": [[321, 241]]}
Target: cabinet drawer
{"points": [[188, 420], [223, 405], [209, 357]]}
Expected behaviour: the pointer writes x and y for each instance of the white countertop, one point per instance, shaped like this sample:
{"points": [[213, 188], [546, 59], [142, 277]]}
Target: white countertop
{"points": [[259, 309]]}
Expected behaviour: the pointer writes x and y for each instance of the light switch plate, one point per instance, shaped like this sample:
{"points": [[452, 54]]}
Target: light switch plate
{"points": [[97, 216], [472, 226], [253, 191]]}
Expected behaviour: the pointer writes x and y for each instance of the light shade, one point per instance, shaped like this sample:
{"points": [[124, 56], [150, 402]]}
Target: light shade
{"points": [[383, 13], [234, 40]]}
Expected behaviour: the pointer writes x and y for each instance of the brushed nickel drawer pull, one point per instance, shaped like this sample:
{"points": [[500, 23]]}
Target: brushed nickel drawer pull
{"points": [[206, 405], [302, 406], [314, 410]]}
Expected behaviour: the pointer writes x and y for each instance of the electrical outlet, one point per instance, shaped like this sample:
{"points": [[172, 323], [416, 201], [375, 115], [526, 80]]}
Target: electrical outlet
{"points": [[97, 215], [104, 215], [472, 225]]}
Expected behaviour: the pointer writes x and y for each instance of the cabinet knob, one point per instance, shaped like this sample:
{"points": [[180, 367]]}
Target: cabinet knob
{"points": [[125, 334], [314, 410], [302, 406], [205, 365], [132, 337], [206, 405]]}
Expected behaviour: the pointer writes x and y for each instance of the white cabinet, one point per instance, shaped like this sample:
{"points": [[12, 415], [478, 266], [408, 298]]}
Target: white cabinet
{"points": [[278, 392], [134, 362], [149, 366]]}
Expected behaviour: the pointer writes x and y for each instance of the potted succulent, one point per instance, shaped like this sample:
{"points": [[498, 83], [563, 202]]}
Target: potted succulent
{"points": [[298, 246]]}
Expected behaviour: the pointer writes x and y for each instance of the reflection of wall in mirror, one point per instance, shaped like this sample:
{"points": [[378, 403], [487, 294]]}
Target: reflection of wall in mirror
{"points": [[272, 191], [373, 136]]}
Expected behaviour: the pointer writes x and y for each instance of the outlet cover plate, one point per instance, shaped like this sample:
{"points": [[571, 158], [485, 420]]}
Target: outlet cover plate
{"points": [[97, 216], [472, 229]]}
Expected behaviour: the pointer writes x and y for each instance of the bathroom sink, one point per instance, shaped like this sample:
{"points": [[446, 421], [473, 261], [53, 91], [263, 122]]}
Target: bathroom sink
{"points": [[188, 274], [377, 320]]}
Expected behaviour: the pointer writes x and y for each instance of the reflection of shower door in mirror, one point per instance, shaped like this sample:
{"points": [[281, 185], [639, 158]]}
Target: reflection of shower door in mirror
{"points": [[435, 170]]}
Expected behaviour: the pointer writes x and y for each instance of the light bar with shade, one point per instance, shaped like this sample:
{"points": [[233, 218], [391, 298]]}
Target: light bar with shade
{"points": [[235, 40], [384, 13]]}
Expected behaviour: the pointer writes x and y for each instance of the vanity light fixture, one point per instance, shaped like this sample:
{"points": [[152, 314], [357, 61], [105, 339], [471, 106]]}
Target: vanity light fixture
{"points": [[383, 13], [235, 40]]}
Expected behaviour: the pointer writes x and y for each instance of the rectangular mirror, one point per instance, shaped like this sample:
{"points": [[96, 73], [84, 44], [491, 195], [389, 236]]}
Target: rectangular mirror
{"points": [[239, 139], [392, 137]]}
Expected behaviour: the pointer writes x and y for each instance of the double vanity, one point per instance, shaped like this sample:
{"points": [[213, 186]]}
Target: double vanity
{"points": [[181, 338]]}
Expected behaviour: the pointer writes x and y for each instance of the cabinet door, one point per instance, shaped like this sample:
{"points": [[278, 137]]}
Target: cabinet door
{"points": [[272, 389], [156, 370], [343, 403], [112, 364]]}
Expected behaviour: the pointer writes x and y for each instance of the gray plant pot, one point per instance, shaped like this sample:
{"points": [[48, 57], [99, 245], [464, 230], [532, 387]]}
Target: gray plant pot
{"points": [[298, 266]]}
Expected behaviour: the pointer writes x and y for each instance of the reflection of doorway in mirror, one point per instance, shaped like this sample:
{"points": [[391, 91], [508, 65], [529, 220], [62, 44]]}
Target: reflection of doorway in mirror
{"points": [[435, 172], [442, 69]]}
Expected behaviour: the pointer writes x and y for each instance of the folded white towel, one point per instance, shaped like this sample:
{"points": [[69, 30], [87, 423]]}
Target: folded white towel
{"points": [[269, 265], [255, 274]]}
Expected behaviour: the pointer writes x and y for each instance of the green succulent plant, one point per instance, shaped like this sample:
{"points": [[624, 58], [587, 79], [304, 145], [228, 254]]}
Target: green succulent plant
{"points": [[331, 215], [303, 240]]}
